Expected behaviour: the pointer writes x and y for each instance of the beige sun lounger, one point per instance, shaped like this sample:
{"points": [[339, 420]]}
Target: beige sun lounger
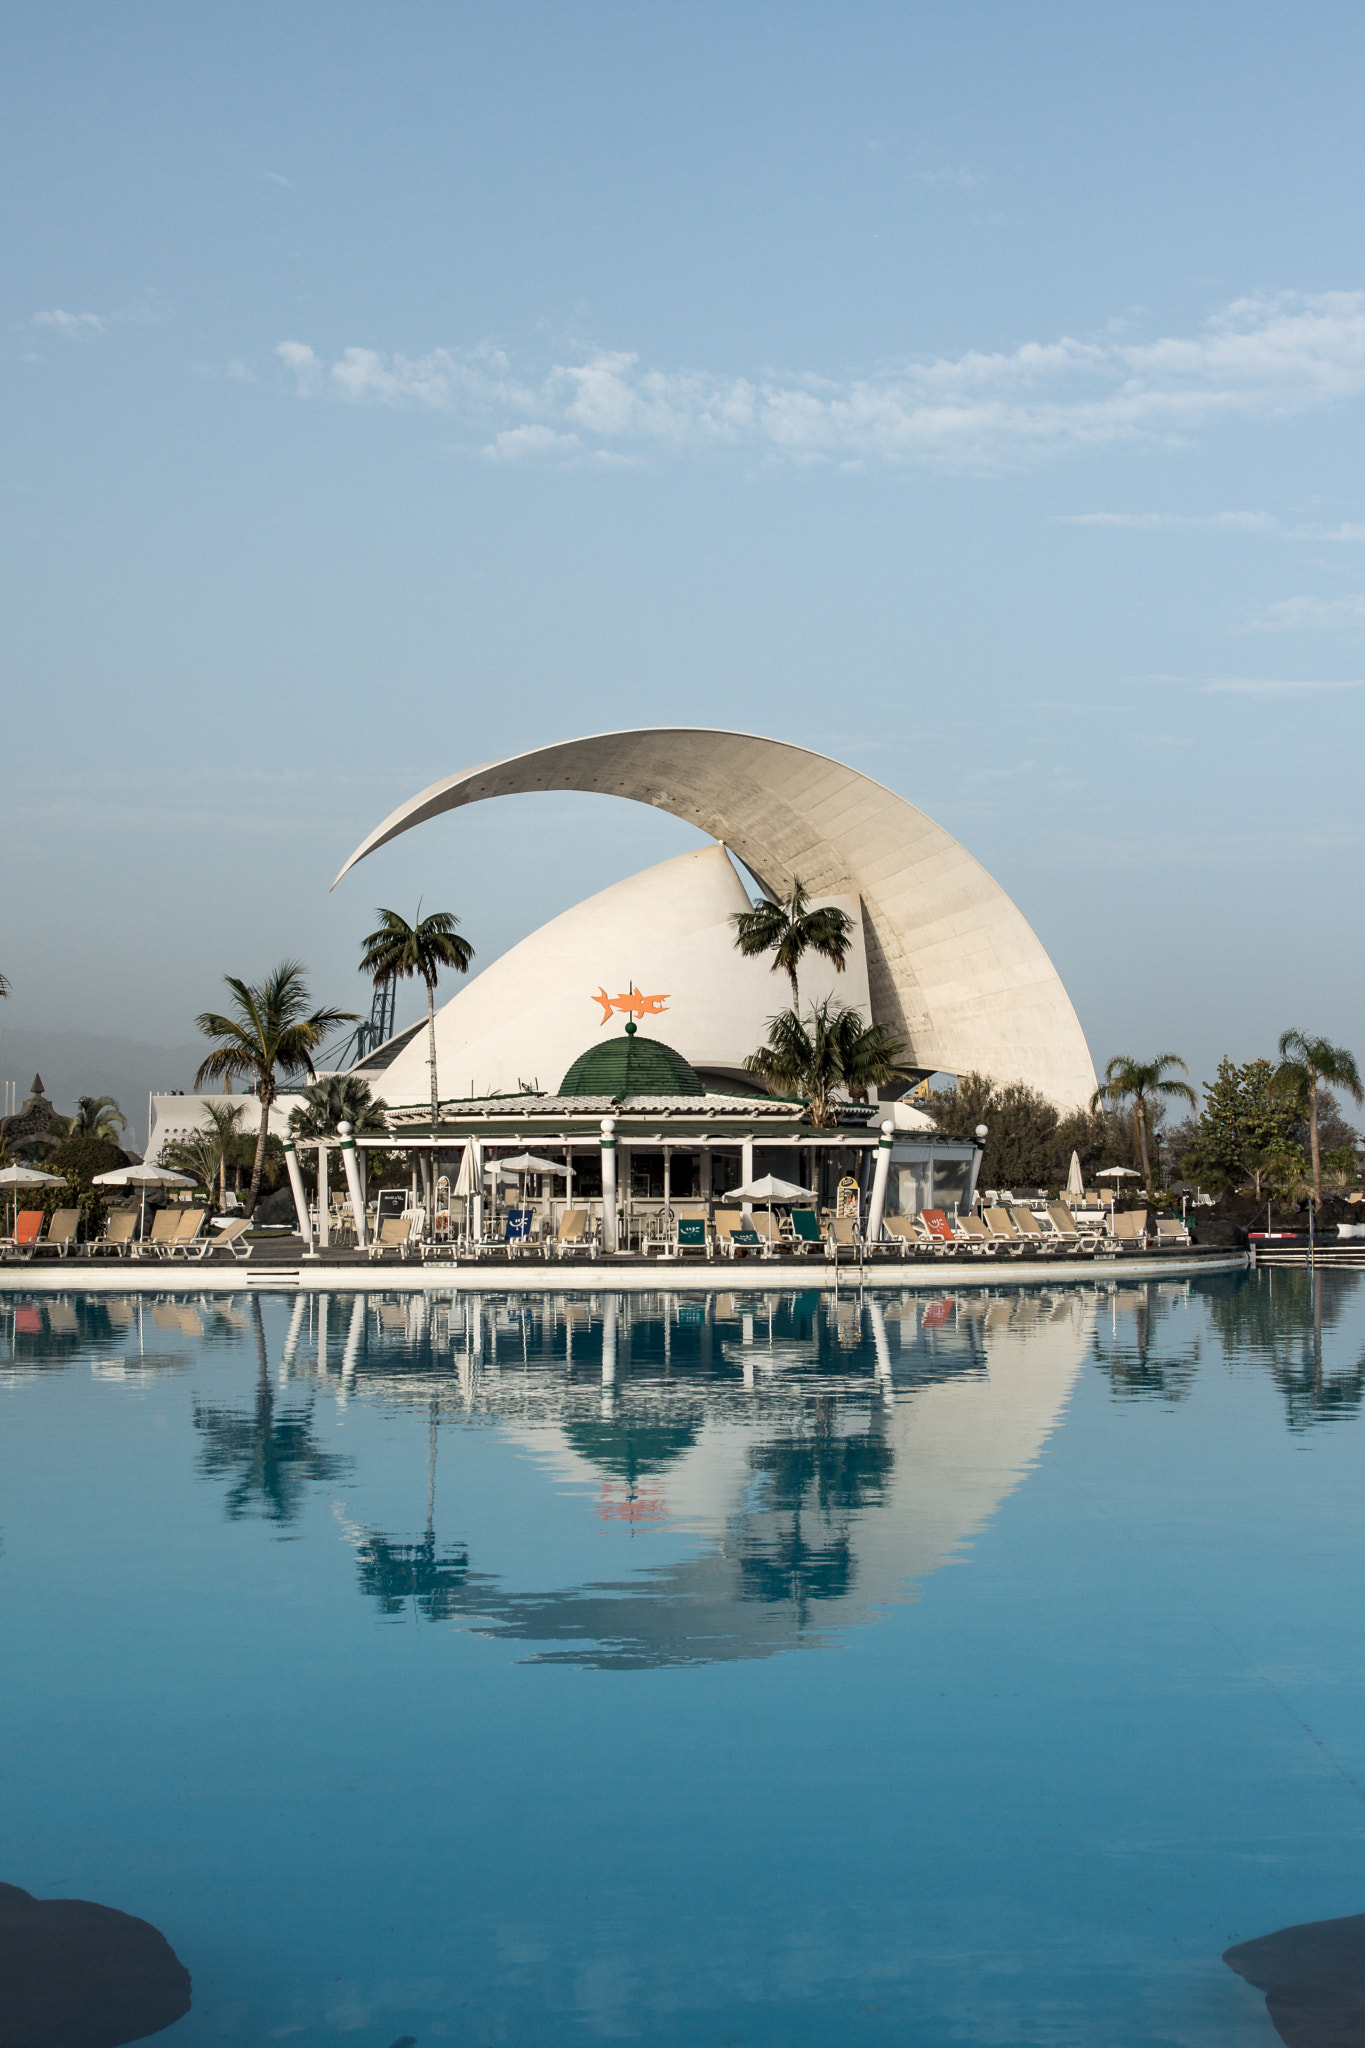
{"points": [[393, 1235], [188, 1225], [976, 1235], [120, 1227], [733, 1223], [842, 1235], [1130, 1228], [905, 1233], [61, 1232], [1001, 1227], [571, 1236], [1064, 1224], [1028, 1226], [161, 1236], [1170, 1230], [231, 1238]]}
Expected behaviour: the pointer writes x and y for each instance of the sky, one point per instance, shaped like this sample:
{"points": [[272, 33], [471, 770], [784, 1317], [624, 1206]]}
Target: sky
{"points": [[973, 393]]}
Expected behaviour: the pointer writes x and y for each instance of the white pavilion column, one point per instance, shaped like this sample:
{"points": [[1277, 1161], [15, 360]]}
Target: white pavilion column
{"points": [[353, 1186], [291, 1160], [876, 1208], [609, 1184], [324, 1195], [476, 1168]]}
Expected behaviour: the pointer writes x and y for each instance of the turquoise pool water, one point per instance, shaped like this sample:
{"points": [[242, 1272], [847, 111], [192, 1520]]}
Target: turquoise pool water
{"points": [[753, 1670]]}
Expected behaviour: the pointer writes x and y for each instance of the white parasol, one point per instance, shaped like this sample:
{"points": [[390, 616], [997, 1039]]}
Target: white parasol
{"points": [[143, 1177], [28, 1177], [768, 1188], [1075, 1180]]}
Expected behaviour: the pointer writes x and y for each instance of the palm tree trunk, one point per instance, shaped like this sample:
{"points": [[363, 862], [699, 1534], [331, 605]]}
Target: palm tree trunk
{"points": [[431, 1053], [1313, 1139], [1140, 1129], [263, 1096]]}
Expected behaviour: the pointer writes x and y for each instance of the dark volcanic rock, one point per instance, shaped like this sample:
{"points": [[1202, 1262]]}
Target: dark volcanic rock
{"points": [[1313, 1978], [276, 1208], [76, 1975], [1217, 1230]]}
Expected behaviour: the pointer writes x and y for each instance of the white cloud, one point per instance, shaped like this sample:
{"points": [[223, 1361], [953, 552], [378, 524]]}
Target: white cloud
{"points": [[1150, 522], [960, 175], [516, 443], [1247, 686], [1260, 358], [75, 326], [275, 178], [1311, 614]]}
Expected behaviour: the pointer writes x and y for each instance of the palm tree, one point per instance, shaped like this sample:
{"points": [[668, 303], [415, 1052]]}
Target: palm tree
{"points": [[398, 951], [1142, 1082], [207, 1153], [269, 1030], [1305, 1063], [790, 929], [815, 1054], [97, 1116], [337, 1098]]}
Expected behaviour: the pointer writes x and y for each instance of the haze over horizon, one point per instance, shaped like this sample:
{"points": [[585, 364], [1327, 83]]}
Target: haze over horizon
{"points": [[974, 395]]}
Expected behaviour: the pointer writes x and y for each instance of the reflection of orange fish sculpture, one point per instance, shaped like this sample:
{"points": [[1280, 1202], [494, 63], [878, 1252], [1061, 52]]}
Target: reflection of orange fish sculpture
{"points": [[632, 1003]]}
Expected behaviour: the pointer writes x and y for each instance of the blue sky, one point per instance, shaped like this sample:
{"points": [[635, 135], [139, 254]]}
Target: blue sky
{"points": [[972, 393]]}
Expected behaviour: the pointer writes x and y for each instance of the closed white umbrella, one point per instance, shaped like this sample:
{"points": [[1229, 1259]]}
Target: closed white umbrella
{"points": [[1075, 1180], [467, 1183]]}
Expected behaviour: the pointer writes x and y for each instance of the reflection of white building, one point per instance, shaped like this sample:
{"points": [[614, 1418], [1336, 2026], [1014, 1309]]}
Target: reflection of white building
{"points": [[796, 1528]]}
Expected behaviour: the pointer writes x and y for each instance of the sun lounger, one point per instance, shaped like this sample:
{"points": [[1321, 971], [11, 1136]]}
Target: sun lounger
{"points": [[843, 1236], [806, 1232], [1001, 1227], [939, 1229], [1065, 1229], [1028, 1226], [1170, 1230], [393, 1235], [1130, 1228], [28, 1228], [977, 1236], [188, 1225], [572, 1235], [231, 1238], [735, 1233], [161, 1236], [60, 1236], [120, 1227], [903, 1235]]}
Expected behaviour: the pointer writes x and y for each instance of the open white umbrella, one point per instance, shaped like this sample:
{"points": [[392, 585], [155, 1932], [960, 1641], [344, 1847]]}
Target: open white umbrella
{"points": [[1075, 1180], [28, 1177], [143, 1177], [768, 1188], [1118, 1173]]}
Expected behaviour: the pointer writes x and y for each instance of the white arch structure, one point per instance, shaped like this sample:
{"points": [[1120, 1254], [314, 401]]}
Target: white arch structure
{"points": [[954, 969]]}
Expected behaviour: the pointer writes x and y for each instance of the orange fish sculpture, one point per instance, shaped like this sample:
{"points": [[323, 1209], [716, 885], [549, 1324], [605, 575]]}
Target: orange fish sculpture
{"points": [[631, 1004]]}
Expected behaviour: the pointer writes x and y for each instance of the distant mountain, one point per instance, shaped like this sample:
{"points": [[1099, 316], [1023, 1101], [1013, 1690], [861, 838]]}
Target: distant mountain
{"points": [[76, 1063]]}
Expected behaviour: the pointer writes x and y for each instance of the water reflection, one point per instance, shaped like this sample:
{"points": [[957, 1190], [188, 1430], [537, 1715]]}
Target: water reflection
{"points": [[820, 1456], [270, 1456]]}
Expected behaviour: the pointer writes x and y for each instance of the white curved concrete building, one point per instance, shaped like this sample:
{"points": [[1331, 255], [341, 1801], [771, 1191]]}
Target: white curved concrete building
{"points": [[526, 1018], [952, 966]]}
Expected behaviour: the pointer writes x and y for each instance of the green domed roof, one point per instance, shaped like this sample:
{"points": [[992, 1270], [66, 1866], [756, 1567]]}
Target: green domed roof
{"points": [[631, 1065]]}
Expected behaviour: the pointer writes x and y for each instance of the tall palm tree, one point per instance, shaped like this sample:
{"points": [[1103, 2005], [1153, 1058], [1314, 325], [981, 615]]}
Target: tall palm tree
{"points": [[1142, 1082], [398, 951], [813, 1055], [269, 1030], [789, 930], [97, 1116], [206, 1154], [1305, 1064]]}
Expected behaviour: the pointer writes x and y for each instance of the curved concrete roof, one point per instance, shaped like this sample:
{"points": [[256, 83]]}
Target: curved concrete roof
{"points": [[953, 967]]}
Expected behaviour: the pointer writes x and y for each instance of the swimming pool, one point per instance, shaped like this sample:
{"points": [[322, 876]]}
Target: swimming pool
{"points": [[697, 1669]]}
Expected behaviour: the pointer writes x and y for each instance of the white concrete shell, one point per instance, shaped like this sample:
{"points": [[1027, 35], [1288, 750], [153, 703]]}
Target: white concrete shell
{"points": [[953, 967], [528, 1016]]}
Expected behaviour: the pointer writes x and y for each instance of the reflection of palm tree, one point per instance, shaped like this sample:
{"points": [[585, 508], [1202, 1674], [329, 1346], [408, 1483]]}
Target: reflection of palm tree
{"points": [[434, 1580], [1137, 1371], [270, 1456]]}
